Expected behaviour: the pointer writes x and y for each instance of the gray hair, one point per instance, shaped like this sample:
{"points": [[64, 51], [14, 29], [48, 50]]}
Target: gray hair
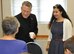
{"points": [[10, 25], [27, 3]]}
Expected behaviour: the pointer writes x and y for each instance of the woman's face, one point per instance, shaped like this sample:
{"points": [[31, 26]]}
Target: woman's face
{"points": [[56, 13]]}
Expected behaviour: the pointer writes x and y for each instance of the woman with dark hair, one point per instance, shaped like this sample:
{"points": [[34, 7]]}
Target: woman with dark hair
{"points": [[60, 30]]}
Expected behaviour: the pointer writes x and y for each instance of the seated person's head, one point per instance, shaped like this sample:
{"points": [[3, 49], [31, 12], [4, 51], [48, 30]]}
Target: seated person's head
{"points": [[69, 46], [10, 25]]}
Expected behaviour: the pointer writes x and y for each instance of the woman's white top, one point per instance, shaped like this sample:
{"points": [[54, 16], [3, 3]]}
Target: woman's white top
{"points": [[67, 30]]}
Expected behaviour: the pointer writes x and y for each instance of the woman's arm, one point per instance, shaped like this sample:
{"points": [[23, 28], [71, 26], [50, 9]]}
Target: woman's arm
{"points": [[67, 29]]}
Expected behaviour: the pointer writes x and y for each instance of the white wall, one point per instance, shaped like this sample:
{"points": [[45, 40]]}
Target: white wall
{"points": [[70, 5], [6, 8], [0, 20], [0, 9]]}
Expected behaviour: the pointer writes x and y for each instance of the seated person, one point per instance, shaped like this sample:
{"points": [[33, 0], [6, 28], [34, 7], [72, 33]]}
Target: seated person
{"points": [[69, 46], [8, 44]]}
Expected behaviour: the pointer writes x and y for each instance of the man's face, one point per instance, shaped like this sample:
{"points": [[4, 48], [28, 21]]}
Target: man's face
{"points": [[25, 11]]}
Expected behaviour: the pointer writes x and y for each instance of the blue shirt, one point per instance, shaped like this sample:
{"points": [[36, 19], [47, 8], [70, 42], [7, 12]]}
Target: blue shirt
{"points": [[12, 46]]}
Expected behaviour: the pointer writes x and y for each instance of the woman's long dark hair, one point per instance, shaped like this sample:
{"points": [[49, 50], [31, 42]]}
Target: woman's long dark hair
{"points": [[64, 14]]}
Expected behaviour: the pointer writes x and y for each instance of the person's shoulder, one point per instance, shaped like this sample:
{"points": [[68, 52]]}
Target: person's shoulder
{"points": [[21, 41], [67, 20], [32, 14]]}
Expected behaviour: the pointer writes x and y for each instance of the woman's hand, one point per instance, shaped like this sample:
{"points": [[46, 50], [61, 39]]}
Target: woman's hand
{"points": [[47, 47]]}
